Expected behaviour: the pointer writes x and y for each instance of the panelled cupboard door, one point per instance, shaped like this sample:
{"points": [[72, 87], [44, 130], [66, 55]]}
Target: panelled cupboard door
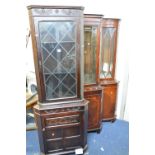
{"points": [[94, 95], [94, 111], [109, 102]]}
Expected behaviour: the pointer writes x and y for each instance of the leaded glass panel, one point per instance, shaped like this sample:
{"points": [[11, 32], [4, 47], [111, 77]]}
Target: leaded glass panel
{"points": [[107, 52], [58, 45]]}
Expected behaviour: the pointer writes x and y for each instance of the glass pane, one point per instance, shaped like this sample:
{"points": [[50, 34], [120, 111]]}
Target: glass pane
{"points": [[58, 58], [107, 54], [90, 54]]}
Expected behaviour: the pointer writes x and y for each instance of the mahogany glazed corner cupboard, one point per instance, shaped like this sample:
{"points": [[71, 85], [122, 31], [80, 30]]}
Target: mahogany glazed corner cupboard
{"points": [[92, 89], [100, 41], [109, 30], [61, 114]]}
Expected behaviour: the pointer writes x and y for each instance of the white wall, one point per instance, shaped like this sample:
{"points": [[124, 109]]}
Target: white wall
{"points": [[109, 9]]}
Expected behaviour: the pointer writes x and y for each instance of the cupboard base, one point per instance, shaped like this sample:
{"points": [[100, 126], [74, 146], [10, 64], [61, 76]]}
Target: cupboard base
{"points": [[94, 95], [112, 119], [66, 152], [62, 128]]}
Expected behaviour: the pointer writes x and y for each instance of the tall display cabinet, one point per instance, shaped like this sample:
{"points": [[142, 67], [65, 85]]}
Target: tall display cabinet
{"points": [[61, 114], [92, 90], [109, 30]]}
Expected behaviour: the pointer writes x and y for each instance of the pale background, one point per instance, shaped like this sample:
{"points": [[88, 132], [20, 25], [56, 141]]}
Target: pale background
{"points": [[136, 43]]}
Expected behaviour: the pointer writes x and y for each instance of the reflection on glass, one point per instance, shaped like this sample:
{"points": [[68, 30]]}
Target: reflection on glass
{"points": [[90, 54], [107, 53], [58, 58]]}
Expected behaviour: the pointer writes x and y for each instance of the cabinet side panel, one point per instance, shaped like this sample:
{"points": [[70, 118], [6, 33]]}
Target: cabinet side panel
{"points": [[36, 57], [40, 132]]}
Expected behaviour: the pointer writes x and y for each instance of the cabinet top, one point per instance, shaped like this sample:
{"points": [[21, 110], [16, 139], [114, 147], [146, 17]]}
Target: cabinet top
{"points": [[93, 15], [112, 19], [55, 7]]}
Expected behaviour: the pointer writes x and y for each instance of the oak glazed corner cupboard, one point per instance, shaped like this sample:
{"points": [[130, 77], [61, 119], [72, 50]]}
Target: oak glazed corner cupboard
{"points": [[92, 89], [61, 114]]}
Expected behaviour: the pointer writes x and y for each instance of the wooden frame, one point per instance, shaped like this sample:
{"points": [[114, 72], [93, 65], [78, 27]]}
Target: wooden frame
{"points": [[109, 23], [61, 122], [37, 51], [94, 20], [110, 85], [92, 91]]}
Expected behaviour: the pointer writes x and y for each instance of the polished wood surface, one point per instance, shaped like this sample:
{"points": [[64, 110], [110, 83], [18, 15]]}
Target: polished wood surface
{"points": [[94, 95], [110, 85], [61, 121], [63, 128], [109, 101], [92, 91]]}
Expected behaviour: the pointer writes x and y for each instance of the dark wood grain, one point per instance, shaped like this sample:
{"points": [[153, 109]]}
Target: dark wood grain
{"points": [[93, 92], [68, 132], [110, 85], [61, 122], [94, 95], [109, 101]]}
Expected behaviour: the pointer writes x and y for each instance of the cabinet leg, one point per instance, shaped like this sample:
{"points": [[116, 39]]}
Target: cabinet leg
{"points": [[98, 131], [113, 120]]}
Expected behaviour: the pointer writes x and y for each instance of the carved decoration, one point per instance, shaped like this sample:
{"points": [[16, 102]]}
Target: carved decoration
{"points": [[63, 110], [63, 120], [56, 12]]}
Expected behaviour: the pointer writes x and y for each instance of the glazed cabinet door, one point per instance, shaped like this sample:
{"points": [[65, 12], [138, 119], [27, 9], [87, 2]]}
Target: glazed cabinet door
{"points": [[90, 43], [58, 44], [107, 54], [108, 49]]}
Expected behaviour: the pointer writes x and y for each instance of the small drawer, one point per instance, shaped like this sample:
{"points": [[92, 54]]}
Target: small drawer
{"points": [[53, 133], [62, 120], [60, 110], [71, 131]]}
